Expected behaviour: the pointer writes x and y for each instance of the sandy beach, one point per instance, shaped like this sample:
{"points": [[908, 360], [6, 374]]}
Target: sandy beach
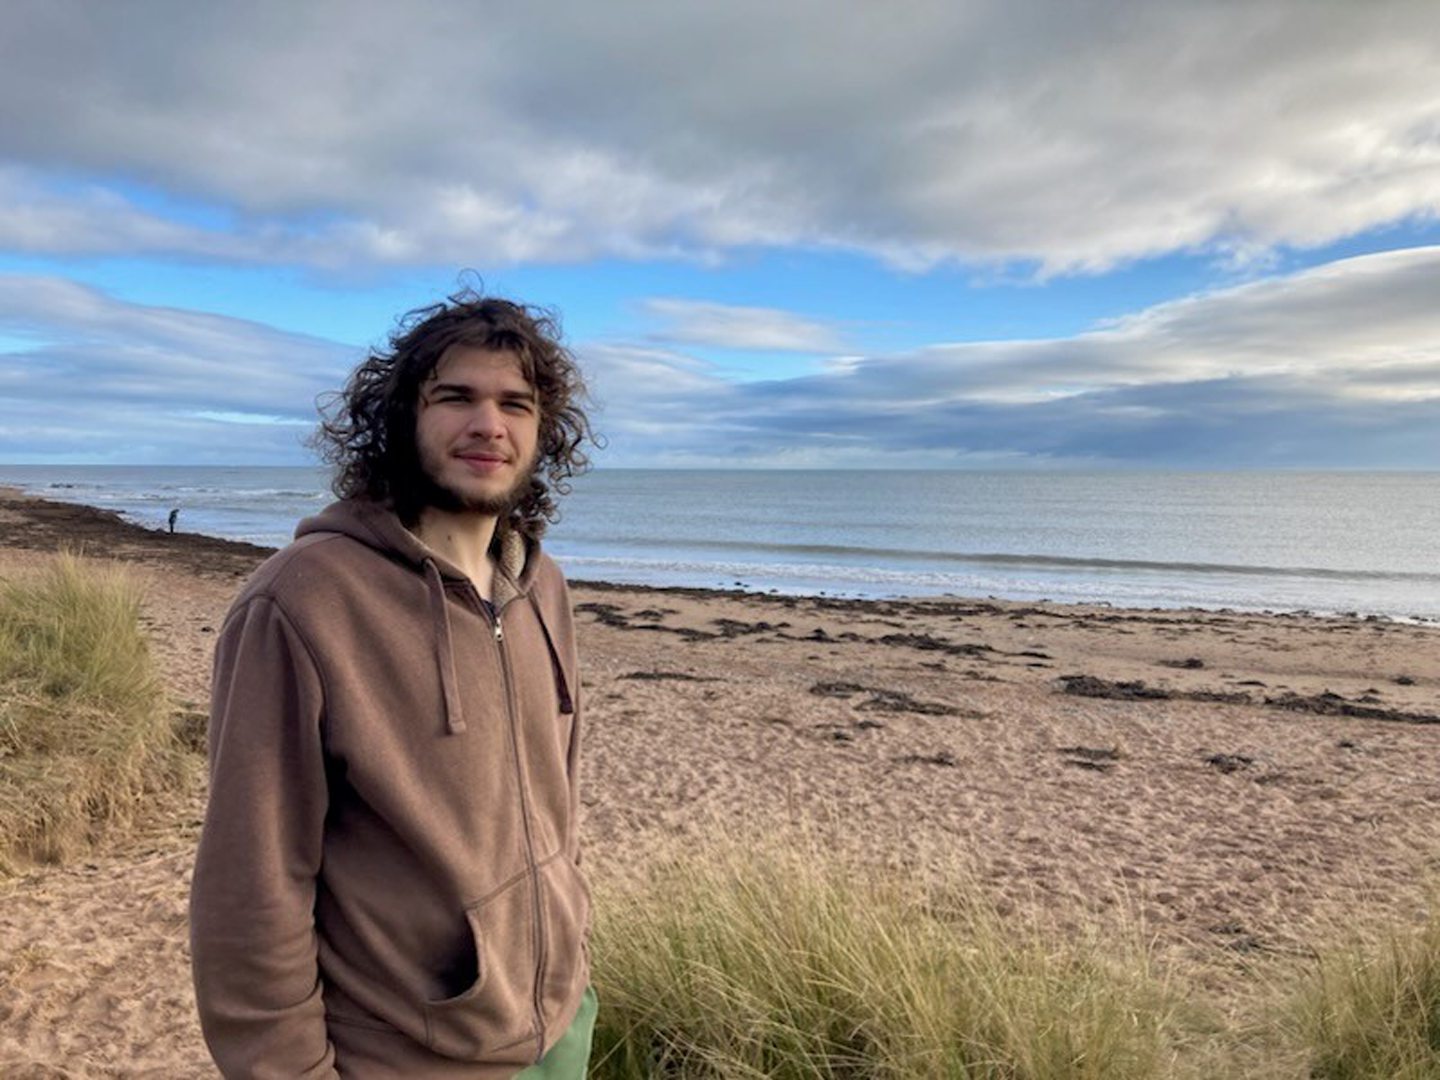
{"points": [[1233, 779]]}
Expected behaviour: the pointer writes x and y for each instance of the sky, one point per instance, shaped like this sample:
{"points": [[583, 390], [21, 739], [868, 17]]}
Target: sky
{"points": [[959, 234]]}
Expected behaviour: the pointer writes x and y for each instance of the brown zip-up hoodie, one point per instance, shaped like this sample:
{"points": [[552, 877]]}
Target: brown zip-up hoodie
{"points": [[388, 882]]}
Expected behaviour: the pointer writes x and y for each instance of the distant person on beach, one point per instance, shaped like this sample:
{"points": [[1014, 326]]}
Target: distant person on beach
{"points": [[174, 517], [388, 882]]}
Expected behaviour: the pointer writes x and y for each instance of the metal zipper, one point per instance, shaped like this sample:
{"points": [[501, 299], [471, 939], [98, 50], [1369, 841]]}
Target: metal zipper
{"points": [[536, 1001]]}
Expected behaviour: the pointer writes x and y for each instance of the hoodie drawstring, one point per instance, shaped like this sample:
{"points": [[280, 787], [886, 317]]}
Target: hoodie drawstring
{"points": [[445, 648], [562, 687]]}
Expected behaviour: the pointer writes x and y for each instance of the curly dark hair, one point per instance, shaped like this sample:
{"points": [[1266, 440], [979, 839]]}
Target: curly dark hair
{"points": [[367, 431]]}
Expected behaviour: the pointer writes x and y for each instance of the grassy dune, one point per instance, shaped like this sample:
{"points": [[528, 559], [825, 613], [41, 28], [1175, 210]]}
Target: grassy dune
{"points": [[738, 961], [1372, 1011], [86, 742]]}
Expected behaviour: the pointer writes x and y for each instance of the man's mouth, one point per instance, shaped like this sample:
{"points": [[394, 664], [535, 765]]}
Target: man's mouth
{"points": [[483, 460]]}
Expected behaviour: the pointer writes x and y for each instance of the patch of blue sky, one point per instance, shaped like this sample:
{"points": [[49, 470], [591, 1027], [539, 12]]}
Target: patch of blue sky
{"points": [[757, 365], [17, 340], [591, 299], [281, 297], [1411, 233], [195, 213], [874, 308], [600, 301]]}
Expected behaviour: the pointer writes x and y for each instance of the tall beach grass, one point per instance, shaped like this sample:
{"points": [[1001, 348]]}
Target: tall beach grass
{"points": [[1371, 1010], [776, 960], [733, 962], [86, 743]]}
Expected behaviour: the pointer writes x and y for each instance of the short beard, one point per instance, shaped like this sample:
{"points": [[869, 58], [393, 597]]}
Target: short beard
{"points": [[429, 493]]}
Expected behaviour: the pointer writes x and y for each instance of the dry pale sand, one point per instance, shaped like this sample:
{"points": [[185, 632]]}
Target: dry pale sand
{"points": [[1230, 778]]}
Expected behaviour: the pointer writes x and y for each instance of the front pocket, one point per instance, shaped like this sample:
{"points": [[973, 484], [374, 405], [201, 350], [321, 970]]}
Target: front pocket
{"points": [[479, 965], [566, 898], [497, 1011]]}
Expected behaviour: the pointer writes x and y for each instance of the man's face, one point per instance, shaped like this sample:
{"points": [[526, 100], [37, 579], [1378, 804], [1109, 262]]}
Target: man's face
{"points": [[477, 428]]}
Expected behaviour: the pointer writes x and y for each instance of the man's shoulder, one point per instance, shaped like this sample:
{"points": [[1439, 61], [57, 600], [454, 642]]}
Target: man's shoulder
{"points": [[548, 580], [547, 570], [551, 592], [311, 567]]}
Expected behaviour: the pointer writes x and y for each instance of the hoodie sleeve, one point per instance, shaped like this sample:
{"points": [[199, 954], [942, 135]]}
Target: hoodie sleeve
{"points": [[253, 943]]}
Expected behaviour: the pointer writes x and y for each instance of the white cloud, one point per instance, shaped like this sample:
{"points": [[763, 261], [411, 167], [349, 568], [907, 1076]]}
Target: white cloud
{"points": [[731, 326], [95, 221], [103, 379], [1335, 366], [226, 416], [1337, 324], [1339, 365], [367, 132]]}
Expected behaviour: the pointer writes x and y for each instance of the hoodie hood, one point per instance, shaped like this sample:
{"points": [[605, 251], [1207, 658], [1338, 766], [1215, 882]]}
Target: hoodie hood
{"points": [[377, 526], [517, 563]]}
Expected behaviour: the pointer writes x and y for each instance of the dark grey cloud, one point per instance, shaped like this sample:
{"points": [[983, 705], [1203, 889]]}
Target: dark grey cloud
{"points": [[1077, 135]]}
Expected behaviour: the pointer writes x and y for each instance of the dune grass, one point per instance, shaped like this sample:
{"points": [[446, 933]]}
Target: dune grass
{"points": [[1371, 1011], [737, 963], [85, 736], [774, 960]]}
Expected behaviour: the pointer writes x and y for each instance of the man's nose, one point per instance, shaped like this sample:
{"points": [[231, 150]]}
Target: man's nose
{"points": [[487, 419]]}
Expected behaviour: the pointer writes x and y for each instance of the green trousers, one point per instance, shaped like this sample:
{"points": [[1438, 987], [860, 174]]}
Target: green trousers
{"points": [[567, 1059]]}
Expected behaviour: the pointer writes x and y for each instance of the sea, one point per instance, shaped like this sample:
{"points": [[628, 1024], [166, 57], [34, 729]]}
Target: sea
{"points": [[1321, 542]]}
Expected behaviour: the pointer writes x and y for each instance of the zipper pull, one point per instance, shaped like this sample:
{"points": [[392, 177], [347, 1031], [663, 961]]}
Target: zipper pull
{"points": [[499, 633]]}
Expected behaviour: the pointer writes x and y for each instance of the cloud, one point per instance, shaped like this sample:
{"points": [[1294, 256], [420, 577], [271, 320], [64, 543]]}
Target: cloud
{"points": [[696, 322], [104, 380], [1335, 366], [363, 133], [94, 221], [1344, 322], [1338, 366]]}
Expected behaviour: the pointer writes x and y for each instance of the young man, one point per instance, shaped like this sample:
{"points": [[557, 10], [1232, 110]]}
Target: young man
{"points": [[388, 879]]}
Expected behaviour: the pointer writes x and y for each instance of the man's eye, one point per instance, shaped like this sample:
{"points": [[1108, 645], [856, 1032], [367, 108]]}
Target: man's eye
{"points": [[518, 406]]}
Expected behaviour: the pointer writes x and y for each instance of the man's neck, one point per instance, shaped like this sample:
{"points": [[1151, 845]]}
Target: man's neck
{"points": [[463, 539]]}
